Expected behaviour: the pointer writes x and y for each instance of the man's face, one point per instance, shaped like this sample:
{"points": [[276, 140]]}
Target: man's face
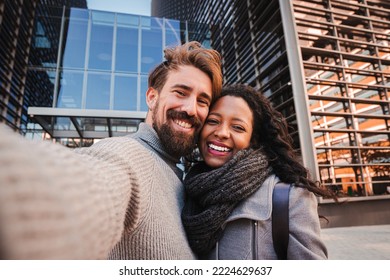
{"points": [[180, 109]]}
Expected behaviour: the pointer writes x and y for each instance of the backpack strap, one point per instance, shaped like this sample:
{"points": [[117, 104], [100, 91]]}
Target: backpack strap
{"points": [[280, 219]]}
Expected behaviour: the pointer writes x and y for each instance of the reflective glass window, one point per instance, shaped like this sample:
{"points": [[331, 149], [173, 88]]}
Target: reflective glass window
{"points": [[79, 13], [41, 38], [63, 123], [94, 124], [333, 122], [45, 41], [127, 20], [377, 156], [98, 91], [367, 94], [144, 88], [371, 124], [125, 93], [70, 89], [124, 125], [340, 139], [172, 32], [151, 49], [39, 89], [375, 139], [380, 180], [100, 50], [126, 48], [75, 42]]}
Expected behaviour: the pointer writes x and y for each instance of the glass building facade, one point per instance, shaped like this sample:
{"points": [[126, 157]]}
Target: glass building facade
{"points": [[325, 64], [86, 72], [99, 78]]}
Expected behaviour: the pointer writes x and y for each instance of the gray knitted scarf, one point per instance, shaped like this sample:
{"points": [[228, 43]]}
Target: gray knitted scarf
{"points": [[212, 194]]}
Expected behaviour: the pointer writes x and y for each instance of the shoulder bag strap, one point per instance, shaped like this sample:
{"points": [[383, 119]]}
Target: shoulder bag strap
{"points": [[280, 219]]}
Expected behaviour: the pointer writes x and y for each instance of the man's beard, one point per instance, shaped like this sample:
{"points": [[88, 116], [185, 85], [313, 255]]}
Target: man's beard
{"points": [[177, 143]]}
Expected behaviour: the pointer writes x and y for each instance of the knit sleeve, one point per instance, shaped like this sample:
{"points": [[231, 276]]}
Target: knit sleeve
{"points": [[58, 204]]}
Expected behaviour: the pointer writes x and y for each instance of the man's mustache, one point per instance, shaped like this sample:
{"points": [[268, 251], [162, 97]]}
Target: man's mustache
{"points": [[184, 116]]}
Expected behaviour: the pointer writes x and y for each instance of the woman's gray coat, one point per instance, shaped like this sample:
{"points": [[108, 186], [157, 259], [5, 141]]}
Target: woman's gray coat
{"points": [[248, 230]]}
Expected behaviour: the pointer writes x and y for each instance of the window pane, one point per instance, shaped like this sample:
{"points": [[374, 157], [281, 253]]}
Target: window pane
{"points": [[76, 13], [127, 20], [75, 44], [44, 44], [144, 88], [98, 91], [70, 90], [125, 93], [172, 32], [63, 123], [151, 49], [39, 88], [126, 49], [100, 55]]}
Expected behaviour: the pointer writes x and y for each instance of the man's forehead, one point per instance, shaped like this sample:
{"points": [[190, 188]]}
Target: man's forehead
{"points": [[190, 77]]}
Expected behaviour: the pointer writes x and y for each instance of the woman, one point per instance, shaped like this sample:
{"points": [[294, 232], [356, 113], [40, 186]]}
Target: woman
{"points": [[246, 150]]}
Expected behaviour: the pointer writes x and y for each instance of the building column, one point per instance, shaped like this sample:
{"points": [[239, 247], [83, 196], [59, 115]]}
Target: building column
{"points": [[301, 101]]}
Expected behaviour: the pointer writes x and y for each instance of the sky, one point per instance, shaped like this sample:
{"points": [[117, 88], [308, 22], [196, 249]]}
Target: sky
{"points": [[138, 7]]}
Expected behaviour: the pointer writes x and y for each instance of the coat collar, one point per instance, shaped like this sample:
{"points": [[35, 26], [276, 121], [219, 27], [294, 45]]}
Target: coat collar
{"points": [[258, 206]]}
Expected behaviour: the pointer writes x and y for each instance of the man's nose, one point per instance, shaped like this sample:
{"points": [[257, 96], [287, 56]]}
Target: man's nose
{"points": [[190, 106]]}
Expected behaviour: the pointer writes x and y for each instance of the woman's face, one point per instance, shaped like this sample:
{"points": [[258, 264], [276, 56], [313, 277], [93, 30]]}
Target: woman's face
{"points": [[227, 130]]}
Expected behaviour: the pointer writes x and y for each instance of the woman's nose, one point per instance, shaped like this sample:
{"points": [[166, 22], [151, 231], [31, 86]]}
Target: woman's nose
{"points": [[222, 132]]}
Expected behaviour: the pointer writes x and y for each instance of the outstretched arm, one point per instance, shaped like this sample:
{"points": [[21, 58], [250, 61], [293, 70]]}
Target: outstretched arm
{"points": [[58, 204]]}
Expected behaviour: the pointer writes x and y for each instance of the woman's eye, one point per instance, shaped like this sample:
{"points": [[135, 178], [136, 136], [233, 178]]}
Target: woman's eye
{"points": [[239, 128], [211, 121]]}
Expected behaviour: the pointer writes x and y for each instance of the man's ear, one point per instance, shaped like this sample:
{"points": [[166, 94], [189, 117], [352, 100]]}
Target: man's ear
{"points": [[151, 98]]}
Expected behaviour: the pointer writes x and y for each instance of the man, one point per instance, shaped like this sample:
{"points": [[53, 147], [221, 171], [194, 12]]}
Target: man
{"points": [[122, 197]]}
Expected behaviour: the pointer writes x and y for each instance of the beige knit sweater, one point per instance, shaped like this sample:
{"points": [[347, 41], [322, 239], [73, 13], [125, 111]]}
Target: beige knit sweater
{"points": [[116, 199]]}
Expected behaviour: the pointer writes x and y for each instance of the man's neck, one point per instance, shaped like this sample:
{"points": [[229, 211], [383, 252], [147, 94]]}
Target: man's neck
{"points": [[148, 137]]}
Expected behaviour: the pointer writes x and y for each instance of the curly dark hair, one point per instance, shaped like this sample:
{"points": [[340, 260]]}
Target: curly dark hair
{"points": [[270, 131]]}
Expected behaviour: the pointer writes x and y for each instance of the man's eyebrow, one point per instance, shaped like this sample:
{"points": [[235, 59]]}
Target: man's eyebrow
{"points": [[186, 87], [183, 86]]}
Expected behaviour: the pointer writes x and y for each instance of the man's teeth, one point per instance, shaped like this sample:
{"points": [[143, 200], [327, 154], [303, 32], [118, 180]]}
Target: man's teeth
{"points": [[183, 124], [218, 148]]}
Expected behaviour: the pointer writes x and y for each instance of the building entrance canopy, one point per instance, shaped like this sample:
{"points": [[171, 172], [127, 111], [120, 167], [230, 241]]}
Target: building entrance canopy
{"points": [[86, 124]]}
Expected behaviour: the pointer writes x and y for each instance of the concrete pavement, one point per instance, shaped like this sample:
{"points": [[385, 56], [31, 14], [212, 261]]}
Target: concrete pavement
{"points": [[358, 243]]}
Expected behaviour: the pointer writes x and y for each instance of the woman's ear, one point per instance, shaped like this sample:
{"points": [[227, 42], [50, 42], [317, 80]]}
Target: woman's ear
{"points": [[151, 98]]}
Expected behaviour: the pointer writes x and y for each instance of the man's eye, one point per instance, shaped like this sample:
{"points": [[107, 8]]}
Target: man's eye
{"points": [[180, 92], [204, 102]]}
